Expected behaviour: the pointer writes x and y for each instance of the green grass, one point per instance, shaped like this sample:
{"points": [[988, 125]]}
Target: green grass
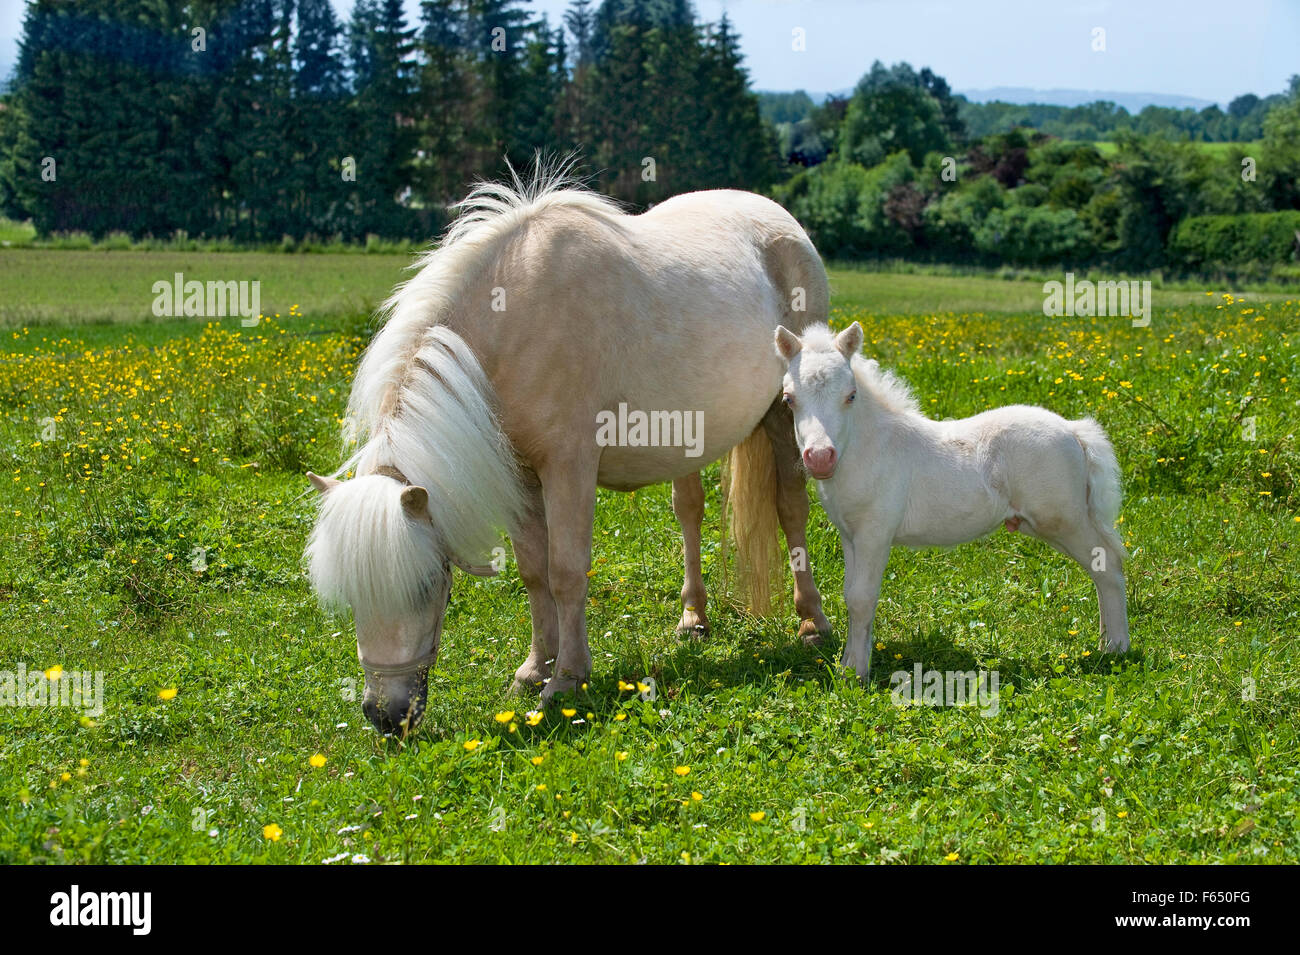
{"points": [[16, 233], [1110, 149], [1157, 756], [88, 287], [71, 287]]}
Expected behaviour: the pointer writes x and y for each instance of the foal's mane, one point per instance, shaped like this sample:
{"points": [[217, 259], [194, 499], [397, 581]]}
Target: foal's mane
{"points": [[885, 386]]}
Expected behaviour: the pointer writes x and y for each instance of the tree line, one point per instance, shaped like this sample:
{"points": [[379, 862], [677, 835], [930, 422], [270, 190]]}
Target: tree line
{"points": [[894, 171], [258, 119], [1242, 121]]}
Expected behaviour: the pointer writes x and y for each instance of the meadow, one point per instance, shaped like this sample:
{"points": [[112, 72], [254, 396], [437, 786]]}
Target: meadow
{"points": [[155, 512]]}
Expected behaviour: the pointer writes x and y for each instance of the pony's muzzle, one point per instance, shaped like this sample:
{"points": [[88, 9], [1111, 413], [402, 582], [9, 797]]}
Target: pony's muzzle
{"points": [[395, 694], [393, 709]]}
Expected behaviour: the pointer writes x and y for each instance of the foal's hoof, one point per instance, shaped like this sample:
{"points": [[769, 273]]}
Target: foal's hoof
{"points": [[812, 635]]}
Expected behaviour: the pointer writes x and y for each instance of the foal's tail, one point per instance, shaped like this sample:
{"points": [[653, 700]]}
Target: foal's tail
{"points": [[1104, 493], [749, 486]]}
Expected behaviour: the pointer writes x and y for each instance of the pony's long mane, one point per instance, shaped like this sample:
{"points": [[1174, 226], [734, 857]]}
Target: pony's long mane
{"points": [[488, 217], [421, 404]]}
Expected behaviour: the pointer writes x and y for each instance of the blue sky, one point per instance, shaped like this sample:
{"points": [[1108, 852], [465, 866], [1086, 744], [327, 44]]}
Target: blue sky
{"points": [[1210, 50]]}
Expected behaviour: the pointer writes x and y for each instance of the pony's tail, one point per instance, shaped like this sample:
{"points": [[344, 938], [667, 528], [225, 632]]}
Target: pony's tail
{"points": [[1104, 493], [749, 485]]}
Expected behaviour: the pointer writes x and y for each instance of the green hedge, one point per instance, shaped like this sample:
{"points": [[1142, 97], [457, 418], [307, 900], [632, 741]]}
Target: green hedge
{"points": [[1208, 241]]}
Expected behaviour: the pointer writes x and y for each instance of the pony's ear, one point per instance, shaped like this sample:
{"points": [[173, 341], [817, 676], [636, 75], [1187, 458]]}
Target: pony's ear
{"points": [[322, 484], [849, 341], [787, 344], [478, 570], [415, 501]]}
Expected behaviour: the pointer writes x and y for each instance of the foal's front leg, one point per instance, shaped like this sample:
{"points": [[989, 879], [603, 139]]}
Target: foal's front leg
{"points": [[865, 559], [569, 492], [688, 505]]}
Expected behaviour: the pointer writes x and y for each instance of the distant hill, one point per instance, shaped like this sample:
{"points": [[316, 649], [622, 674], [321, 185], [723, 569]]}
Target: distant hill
{"points": [[1133, 102]]}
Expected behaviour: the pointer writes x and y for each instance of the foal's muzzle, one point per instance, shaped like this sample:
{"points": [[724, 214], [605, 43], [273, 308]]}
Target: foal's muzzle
{"points": [[820, 462]]}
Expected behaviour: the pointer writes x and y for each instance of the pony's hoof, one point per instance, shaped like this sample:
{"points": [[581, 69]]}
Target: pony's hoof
{"points": [[1117, 646], [694, 625], [813, 635], [558, 685], [530, 678], [526, 687]]}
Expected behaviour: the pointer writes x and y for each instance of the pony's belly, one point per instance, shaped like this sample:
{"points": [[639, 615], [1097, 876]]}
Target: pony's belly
{"points": [[663, 427], [626, 467]]}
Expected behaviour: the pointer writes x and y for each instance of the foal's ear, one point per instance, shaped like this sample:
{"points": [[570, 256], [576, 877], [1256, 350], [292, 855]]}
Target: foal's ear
{"points": [[849, 341], [415, 501], [787, 344], [478, 570], [322, 484]]}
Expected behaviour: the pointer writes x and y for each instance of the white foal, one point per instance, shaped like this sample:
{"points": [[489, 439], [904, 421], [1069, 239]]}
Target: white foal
{"points": [[889, 475]]}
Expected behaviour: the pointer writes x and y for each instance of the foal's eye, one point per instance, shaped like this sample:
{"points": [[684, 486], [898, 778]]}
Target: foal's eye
{"points": [[849, 399], [788, 399]]}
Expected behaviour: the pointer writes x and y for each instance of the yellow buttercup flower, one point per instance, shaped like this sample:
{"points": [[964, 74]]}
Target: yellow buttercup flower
{"points": [[272, 832], [757, 816], [167, 694], [317, 760], [505, 716], [471, 745]]}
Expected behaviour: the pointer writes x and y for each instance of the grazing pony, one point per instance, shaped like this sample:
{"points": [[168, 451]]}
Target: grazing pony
{"points": [[889, 475], [550, 345]]}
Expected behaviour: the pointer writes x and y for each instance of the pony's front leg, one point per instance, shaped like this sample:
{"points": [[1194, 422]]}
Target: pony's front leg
{"points": [[530, 544], [864, 568], [569, 492], [688, 505]]}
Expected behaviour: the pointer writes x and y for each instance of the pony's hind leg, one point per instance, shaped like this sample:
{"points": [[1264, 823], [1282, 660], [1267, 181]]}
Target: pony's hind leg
{"points": [[792, 511], [530, 542], [688, 506]]}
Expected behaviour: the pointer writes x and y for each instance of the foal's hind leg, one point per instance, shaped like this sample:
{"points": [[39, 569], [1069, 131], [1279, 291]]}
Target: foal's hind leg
{"points": [[688, 505], [1098, 554], [792, 511], [530, 544]]}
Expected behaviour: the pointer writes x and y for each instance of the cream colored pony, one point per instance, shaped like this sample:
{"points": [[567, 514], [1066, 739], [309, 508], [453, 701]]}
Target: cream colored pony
{"points": [[889, 475], [516, 372]]}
